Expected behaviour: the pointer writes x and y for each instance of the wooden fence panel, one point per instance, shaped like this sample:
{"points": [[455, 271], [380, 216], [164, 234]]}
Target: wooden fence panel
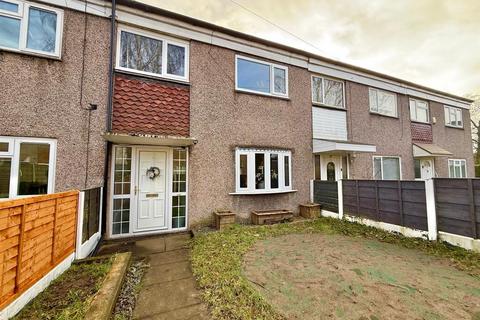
{"points": [[36, 234], [326, 194], [457, 204], [396, 202]]}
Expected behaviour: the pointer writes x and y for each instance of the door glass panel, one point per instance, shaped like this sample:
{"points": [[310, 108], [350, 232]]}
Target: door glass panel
{"points": [[259, 171], [5, 169], [331, 171], [179, 170], [33, 169], [418, 173], [178, 211], [318, 175], [274, 171], [122, 175], [121, 216], [345, 167]]}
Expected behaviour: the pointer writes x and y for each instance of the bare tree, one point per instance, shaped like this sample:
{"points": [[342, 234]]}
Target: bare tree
{"points": [[475, 122]]}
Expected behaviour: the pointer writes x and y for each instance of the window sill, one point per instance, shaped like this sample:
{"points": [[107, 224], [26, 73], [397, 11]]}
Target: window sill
{"points": [[420, 122], [321, 105], [453, 127], [249, 193], [383, 115], [269, 95], [150, 76], [31, 53]]}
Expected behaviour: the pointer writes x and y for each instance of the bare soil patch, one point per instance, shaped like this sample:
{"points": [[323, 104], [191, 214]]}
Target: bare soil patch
{"points": [[325, 276]]}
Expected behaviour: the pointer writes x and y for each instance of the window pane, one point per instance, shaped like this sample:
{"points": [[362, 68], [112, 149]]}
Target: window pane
{"points": [[464, 171], [333, 93], [377, 168], [413, 113], [42, 30], [317, 93], [243, 171], [373, 100], [447, 115], [418, 172], [4, 146], [391, 169], [386, 103], [33, 168], [140, 53], [178, 211], [9, 32], [259, 171], [176, 60], [5, 167], [7, 6], [179, 170], [274, 171], [279, 81], [253, 76], [122, 173], [451, 169], [287, 170]]}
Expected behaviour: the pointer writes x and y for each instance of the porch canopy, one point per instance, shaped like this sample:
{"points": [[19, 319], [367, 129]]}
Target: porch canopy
{"points": [[146, 139], [320, 146], [422, 150]]}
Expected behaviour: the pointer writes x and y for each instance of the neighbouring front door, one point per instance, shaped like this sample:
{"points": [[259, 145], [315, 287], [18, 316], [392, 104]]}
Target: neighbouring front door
{"points": [[426, 169], [331, 167], [151, 193]]}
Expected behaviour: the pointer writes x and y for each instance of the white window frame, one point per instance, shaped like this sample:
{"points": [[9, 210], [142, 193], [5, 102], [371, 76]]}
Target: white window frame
{"points": [[381, 158], [452, 162], [318, 103], [410, 106], [371, 90], [165, 42], [22, 15], [449, 109], [14, 155], [250, 189], [272, 67]]}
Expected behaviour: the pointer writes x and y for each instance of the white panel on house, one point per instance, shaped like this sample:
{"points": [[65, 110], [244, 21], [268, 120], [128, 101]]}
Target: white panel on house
{"points": [[329, 124]]}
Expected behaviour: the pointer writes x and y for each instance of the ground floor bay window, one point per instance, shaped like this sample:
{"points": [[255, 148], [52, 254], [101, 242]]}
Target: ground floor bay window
{"points": [[263, 171], [148, 189], [27, 166]]}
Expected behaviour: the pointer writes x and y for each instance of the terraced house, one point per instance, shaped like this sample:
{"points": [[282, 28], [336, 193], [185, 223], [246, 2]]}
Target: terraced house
{"points": [[178, 117]]}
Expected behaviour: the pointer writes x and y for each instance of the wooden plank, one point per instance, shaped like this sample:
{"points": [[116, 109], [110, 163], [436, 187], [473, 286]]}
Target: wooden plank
{"points": [[400, 202], [472, 209], [54, 232], [357, 196], [376, 200], [34, 199]]}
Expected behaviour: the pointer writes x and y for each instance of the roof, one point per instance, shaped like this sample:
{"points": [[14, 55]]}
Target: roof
{"points": [[428, 149], [204, 24]]}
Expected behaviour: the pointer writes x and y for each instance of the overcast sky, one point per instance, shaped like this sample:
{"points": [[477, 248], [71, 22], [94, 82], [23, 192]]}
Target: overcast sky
{"points": [[431, 42]]}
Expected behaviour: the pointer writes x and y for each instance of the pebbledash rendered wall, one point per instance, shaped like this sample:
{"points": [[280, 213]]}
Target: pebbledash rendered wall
{"points": [[393, 136], [40, 97], [223, 119]]}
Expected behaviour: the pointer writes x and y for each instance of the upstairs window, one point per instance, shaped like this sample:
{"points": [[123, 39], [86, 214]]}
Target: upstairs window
{"points": [[263, 171], [453, 117], [383, 102], [457, 168], [328, 92], [28, 27], [150, 54], [261, 77], [419, 111]]}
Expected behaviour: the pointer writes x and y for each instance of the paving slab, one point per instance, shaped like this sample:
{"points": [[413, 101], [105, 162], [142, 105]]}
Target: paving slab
{"points": [[146, 247], [196, 311], [178, 241], [166, 297], [156, 259], [167, 272]]}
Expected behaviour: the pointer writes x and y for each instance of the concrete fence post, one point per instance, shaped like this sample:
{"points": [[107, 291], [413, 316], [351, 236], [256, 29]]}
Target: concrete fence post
{"points": [[311, 191], [340, 198], [431, 209], [78, 245]]}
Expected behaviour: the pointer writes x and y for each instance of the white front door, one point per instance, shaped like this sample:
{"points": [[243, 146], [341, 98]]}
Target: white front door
{"points": [[151, 192], [426, 169], [331, 167]]}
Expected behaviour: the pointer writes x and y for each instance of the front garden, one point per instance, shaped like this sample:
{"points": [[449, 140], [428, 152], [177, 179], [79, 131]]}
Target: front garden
{"points": [[328, 268]]}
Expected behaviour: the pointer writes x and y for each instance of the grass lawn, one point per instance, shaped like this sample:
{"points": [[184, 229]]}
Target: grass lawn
{"points": [[68, 297], [222, 263]]}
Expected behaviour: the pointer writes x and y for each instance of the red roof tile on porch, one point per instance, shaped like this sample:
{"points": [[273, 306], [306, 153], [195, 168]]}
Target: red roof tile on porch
{"points": [[144, 106]]}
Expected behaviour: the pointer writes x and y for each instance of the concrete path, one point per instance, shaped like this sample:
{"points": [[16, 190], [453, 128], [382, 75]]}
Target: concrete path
{"points": [[169, 289]]}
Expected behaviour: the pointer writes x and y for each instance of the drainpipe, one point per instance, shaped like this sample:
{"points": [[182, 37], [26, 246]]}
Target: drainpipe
{"points": [[109, 118]]}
